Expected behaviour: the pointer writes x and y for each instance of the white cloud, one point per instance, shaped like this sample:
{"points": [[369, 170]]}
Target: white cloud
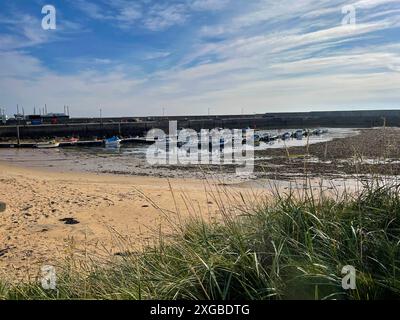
{"points": [[153, 15], [118, 12], [161, 17], [209, 4], [93, 10], [156, 55], [24, 31], [368, 4]]}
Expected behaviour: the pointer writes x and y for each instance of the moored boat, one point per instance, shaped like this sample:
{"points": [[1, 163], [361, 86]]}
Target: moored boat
{"points": [[48, 145], [72, 140], [112, 142], [286, 136], [298, 134]]}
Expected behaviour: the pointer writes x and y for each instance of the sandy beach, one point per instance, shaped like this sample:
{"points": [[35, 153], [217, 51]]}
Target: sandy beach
{"points": [[51, 215]]}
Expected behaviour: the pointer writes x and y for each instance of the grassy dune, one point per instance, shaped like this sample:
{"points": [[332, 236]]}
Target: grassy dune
{"points": [[289, 247]]}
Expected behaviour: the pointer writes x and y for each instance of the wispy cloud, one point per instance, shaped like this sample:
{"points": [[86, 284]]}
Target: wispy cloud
{"points": [[150, 14], [162, 16], [368, 4], [23, 32], [120, 12], [209, 4], [92, 9], [156, 55]]}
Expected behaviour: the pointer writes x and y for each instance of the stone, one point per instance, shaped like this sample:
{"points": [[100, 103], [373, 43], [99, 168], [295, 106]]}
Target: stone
{"points": [[69, 221], [2, 206]]}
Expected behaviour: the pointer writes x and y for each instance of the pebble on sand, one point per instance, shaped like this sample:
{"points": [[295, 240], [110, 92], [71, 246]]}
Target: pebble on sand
{"points": [[69, 221]]}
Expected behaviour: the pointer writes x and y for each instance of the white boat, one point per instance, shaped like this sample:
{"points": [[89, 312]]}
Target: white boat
{"points": [[298, 134], [48, 145], [286, 136]]}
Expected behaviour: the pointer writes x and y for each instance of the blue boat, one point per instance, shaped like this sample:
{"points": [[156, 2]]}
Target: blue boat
{"points": [[112, 142]]}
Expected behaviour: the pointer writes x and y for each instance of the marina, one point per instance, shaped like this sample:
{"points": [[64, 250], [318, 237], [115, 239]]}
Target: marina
{"points": [[131, 158]]}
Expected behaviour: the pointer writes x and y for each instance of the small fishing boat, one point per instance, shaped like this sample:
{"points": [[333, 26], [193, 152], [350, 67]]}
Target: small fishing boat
{"points": [[48, 145], [317, 132], [266, 137], [112, 142], [274, 138], [298, 134], [71, 140], [286, 136]]}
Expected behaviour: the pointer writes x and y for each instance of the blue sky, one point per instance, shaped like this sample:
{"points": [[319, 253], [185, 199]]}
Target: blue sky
{"points": [[137, 58]]}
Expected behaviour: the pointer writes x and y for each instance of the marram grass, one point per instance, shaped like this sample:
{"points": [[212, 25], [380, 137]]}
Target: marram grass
{"points": [[290, 247]]}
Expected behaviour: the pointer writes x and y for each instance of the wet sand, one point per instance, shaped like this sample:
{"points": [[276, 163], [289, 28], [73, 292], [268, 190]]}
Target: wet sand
{"points": [[372, 152], [130, 159]]}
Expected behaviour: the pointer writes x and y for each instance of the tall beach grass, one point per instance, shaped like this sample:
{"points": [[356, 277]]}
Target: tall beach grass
{"points": [[287, 246]]}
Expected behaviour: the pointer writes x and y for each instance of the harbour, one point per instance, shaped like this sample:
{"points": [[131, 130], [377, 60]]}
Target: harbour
{"points": [[88, 128]]}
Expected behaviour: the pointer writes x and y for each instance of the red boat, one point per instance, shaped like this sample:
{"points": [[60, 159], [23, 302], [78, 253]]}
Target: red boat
{"points": [[71, 140]]}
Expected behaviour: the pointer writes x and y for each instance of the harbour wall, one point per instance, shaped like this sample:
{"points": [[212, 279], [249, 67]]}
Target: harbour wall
{"points": [[95, 127]]}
